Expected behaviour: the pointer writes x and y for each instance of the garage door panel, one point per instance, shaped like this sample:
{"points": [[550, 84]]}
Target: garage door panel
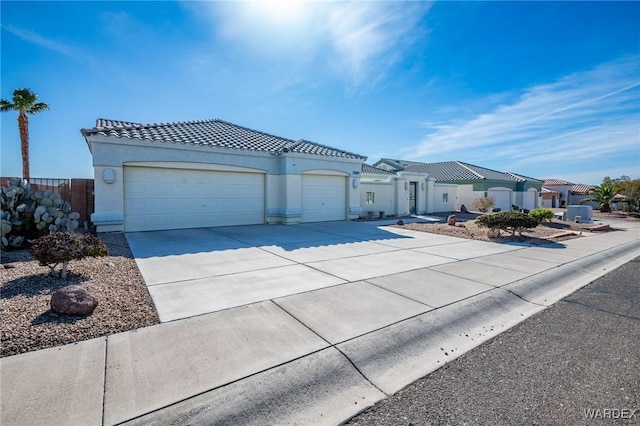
{"points": [[502, 199], [323, 198], [157, 198], [529, 200]]}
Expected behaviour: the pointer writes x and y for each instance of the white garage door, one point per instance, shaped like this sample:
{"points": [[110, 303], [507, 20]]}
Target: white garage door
{"points": [[502, 199], [529, 200], [323, 198], [157, 198]]}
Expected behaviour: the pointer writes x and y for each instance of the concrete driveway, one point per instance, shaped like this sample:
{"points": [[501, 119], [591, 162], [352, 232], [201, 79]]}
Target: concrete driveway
{"points": [[314, 323], [197, 271]]}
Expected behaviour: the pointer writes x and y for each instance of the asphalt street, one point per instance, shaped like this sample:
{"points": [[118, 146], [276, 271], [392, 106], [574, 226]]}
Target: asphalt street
{"points": [[577, 362]]}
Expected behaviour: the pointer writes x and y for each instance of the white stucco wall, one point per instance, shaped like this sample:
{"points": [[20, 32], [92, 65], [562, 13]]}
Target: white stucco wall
{"points": [[467, 196], [384, 196], [283, 174], [439, 204]]}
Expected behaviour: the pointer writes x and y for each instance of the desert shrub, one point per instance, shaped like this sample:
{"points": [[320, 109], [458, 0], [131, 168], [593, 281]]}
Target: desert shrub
{"points": [[483, 204], [63, 247], [515, 208], [541, 214], [28, 214], [507, 221]]}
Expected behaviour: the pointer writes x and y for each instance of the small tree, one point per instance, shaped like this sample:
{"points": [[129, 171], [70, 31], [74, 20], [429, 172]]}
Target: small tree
{"points": [[63, 247], [513, 221], [630, 190], [483, 204]]}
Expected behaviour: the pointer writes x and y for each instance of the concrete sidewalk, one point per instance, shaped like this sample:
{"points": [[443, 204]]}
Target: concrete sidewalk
{"points": [[575, 363], [318, 356]]}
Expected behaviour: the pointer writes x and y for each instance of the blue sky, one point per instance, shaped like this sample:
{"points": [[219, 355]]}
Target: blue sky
{"points": [[543, 89]]}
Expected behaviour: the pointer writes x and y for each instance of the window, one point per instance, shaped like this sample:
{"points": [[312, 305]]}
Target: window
{"points": [[445, 197], [371, 198]]}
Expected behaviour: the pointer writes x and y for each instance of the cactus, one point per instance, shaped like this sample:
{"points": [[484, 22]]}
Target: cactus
{"points": [[28, 215]]}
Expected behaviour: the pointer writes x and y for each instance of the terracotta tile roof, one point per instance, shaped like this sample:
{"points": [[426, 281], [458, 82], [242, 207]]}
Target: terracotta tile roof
{"points": [[370, 170], [213, 133], [580, 189], [555, 182], [454, 171], [546, 190]]}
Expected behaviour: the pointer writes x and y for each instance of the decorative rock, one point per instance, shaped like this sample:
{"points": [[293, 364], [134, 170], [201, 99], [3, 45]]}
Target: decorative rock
{"points": [[463, 209], [451, 220], [399, 222], [493, 233], [73, 300]]}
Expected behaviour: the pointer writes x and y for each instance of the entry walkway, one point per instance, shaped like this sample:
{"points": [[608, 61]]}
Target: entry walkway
{"points": [[378, 320]]}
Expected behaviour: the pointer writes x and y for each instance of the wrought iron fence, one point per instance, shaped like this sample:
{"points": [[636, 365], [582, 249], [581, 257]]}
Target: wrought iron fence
{"points": [[61, 186]]}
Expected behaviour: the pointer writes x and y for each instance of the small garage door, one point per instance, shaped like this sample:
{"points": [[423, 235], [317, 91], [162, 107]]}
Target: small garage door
{"points": [[323, 198], [529, 200], [502, 199], [159, 198]]}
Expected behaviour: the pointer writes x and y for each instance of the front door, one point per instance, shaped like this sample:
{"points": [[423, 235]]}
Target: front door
{"points": [[413, 197]]}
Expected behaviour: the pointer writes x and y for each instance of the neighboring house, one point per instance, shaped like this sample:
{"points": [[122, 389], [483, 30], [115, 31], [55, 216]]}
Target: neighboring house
{"points": [[560, 193], [556, 193], [214, 173], [579, 193], [447, 185]]}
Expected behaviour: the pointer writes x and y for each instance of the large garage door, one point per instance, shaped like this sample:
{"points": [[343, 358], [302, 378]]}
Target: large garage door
{"points": [[323, 198], [157, 198], [502, 199]]}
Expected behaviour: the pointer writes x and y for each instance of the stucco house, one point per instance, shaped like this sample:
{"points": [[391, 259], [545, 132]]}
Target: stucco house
{"points": [[560, 193], [445, 186], [214, 173]]}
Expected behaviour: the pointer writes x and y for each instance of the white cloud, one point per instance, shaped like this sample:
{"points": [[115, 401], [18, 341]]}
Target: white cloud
{"points": [[48, 43], [591, 115], [358, 41], [368, 38]]}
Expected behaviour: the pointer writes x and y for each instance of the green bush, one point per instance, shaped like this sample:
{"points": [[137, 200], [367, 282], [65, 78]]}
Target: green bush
{"points": [[508, 221], [541, 214], [63, 247]]}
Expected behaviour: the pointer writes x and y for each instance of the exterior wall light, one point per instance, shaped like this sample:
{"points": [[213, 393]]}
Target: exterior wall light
{"points": [[109, 176]]}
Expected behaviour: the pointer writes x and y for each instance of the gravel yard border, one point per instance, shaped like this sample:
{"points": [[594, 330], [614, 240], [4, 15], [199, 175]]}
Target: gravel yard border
{"points": [[28, 324]]}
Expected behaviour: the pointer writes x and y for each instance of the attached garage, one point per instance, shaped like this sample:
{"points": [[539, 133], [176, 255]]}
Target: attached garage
{"points": [[324, 197], [157, 198], [206, 173], [502, 198]]}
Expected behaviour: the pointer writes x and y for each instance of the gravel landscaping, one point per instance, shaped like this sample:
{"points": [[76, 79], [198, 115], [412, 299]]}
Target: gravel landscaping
{"points": [[551, 231], [28, 323]]}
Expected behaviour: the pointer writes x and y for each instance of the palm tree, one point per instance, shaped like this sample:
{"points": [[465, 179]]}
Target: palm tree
{"points": [[25, 102], [603, 195]]}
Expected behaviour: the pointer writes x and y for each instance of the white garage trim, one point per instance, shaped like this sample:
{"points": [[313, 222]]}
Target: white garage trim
{"points": [[324, 197], [193, 166], [172, 198]]}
